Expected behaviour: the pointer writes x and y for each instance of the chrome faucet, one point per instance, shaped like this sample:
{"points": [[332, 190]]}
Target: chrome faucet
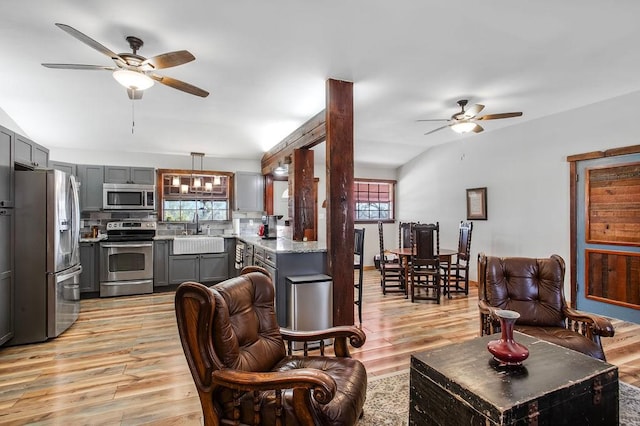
{"points": [[196, 219]]}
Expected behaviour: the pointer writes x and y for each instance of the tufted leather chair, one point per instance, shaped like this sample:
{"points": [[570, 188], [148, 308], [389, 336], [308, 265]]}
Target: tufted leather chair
{"points": [[237, 356], [535, 289]]}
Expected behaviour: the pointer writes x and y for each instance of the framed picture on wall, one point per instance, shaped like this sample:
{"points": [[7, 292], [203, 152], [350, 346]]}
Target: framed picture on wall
{"points": [[477, 204]]}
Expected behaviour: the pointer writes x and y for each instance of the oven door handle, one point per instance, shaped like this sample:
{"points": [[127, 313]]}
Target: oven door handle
{"points": [[112, 245]]}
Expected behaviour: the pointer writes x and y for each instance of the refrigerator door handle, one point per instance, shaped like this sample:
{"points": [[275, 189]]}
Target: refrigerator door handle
{"points": [[76, 270], [76, 219]]}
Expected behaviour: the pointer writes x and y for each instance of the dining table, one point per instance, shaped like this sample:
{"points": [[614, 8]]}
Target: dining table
{"points": [[404, 254]]}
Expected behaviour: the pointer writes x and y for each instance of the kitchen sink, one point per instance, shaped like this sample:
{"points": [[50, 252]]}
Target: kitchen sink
{"points": [[196, 244]]}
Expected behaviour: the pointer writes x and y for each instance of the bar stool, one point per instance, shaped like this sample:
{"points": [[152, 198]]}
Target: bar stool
{"points": [[358, 263]]}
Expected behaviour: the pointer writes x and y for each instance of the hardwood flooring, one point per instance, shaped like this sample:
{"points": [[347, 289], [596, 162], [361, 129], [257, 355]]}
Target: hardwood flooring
{"points": [[122, 363]]}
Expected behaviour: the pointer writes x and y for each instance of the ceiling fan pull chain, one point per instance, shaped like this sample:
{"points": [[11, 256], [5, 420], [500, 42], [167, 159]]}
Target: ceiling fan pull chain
{"points": [[133, 121]]}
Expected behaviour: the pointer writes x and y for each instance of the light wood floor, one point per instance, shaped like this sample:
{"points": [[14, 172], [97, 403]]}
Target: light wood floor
{"points": [[122, 363]]}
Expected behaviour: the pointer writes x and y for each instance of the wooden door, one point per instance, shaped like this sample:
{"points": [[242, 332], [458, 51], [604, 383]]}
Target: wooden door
{"points": [[608, 236]]}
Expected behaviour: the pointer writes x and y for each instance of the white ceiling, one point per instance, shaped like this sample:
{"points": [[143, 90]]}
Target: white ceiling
{"points": [[266, 63]]}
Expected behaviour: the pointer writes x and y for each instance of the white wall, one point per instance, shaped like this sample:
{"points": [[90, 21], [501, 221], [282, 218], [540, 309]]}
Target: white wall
{"points": [[8, 122], [525, 171]]}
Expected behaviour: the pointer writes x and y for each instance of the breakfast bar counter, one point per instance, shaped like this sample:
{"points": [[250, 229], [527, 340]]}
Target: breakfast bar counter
{"points": [[284, 245]]}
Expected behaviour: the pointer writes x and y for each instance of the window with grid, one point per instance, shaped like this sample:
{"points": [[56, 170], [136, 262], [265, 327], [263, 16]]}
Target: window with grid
{"points": [[184, 194], [374, 200]]}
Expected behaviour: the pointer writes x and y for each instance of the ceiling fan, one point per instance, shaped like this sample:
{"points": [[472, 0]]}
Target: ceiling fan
{"points": [[465, 120], [134, 72]]}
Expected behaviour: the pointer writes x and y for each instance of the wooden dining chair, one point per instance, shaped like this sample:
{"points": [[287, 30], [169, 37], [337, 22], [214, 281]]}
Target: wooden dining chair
{"points": [[358, 265], [425, 263], [391, 274], [456, 274], [405, 234]]}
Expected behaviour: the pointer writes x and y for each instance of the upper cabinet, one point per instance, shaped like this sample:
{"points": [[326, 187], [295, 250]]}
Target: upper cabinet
{"points": [[139, 175], [6, 167], [29, 153], [68, 168], [91, 179], [249, 192]]}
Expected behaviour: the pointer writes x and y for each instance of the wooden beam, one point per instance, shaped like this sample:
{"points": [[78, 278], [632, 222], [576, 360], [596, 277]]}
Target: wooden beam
{"points": [[268, 194], [340, 198], [304, 207], [306, 136]]}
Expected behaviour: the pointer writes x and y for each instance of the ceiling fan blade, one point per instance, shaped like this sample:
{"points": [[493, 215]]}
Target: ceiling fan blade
{"points": [[168, 60], [477, 129], [79, 67], [134, 94], [439, 128], [473, 111], [90, 42], [180, 85], [434, 119], [501, 115]]}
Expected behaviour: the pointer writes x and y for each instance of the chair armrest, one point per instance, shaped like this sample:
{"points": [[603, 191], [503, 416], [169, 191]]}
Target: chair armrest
{"points": [[599, 326], [324, 386], [340, 334], [489, 322]]}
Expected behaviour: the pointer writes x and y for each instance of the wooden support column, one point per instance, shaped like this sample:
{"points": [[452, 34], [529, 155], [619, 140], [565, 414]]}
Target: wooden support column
{"points": [[340, 233], [304, 205], [268, 194]]}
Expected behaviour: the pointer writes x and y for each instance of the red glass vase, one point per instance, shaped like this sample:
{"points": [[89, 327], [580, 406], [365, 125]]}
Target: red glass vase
{"points": [[506, 350]]}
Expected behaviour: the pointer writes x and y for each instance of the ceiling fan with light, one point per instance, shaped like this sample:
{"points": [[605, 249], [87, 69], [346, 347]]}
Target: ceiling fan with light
{"points": [[465, 120], [136, 73]]}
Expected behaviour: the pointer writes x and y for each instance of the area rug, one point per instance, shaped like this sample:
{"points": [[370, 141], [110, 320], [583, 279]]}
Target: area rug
{"points": [[388, 402]]}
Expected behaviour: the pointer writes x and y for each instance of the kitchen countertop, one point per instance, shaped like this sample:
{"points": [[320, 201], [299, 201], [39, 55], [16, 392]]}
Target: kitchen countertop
{"points": [[278, 245], [171, 237], [93, 240], [284, 245]]}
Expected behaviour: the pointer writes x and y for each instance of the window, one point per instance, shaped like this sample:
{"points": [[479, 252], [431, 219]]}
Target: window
{"points": [[184, 193], [374, 200]]}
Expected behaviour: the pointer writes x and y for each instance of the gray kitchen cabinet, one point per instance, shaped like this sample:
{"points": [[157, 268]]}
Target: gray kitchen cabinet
{"points": [[214, 267], [89, 278], [160, 263], [6, 167], [30, 154], [6, 275], [249, 192], [91, 179], [248, 255], [139, 175], [202, 268], [68, 168], [184, 267]]}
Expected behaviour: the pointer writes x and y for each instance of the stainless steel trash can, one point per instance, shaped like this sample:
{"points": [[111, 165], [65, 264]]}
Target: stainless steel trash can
{"points": [[310, 305]]}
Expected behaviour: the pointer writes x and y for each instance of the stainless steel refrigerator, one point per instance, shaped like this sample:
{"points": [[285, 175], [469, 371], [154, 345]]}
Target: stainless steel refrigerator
{"points": [[47, 260]]}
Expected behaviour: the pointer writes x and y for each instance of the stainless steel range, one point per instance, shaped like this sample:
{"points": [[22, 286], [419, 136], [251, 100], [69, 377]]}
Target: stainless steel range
{"points": [[126, 258]]}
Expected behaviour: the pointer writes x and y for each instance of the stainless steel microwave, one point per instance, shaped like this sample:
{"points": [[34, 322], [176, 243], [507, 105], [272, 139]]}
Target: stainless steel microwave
{"points": [[128, 196]]}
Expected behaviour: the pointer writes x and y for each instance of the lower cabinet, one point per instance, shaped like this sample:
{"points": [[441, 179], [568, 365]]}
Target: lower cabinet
{"points": [[89, 278], [160, 263], [202, 268]]}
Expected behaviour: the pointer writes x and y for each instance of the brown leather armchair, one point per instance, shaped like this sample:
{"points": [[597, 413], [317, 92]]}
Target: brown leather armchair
{"points": [[535, 289], [238, 360]]}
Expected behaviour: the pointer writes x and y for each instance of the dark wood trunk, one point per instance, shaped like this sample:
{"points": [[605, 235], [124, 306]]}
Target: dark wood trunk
{"points": [[461, 384]]}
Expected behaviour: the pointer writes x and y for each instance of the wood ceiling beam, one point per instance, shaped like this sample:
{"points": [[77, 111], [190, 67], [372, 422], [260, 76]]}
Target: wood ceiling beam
{"points": [[306, 136]]}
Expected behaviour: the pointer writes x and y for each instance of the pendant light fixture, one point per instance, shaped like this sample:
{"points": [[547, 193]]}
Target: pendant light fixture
{"points": [[195, 179]]}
